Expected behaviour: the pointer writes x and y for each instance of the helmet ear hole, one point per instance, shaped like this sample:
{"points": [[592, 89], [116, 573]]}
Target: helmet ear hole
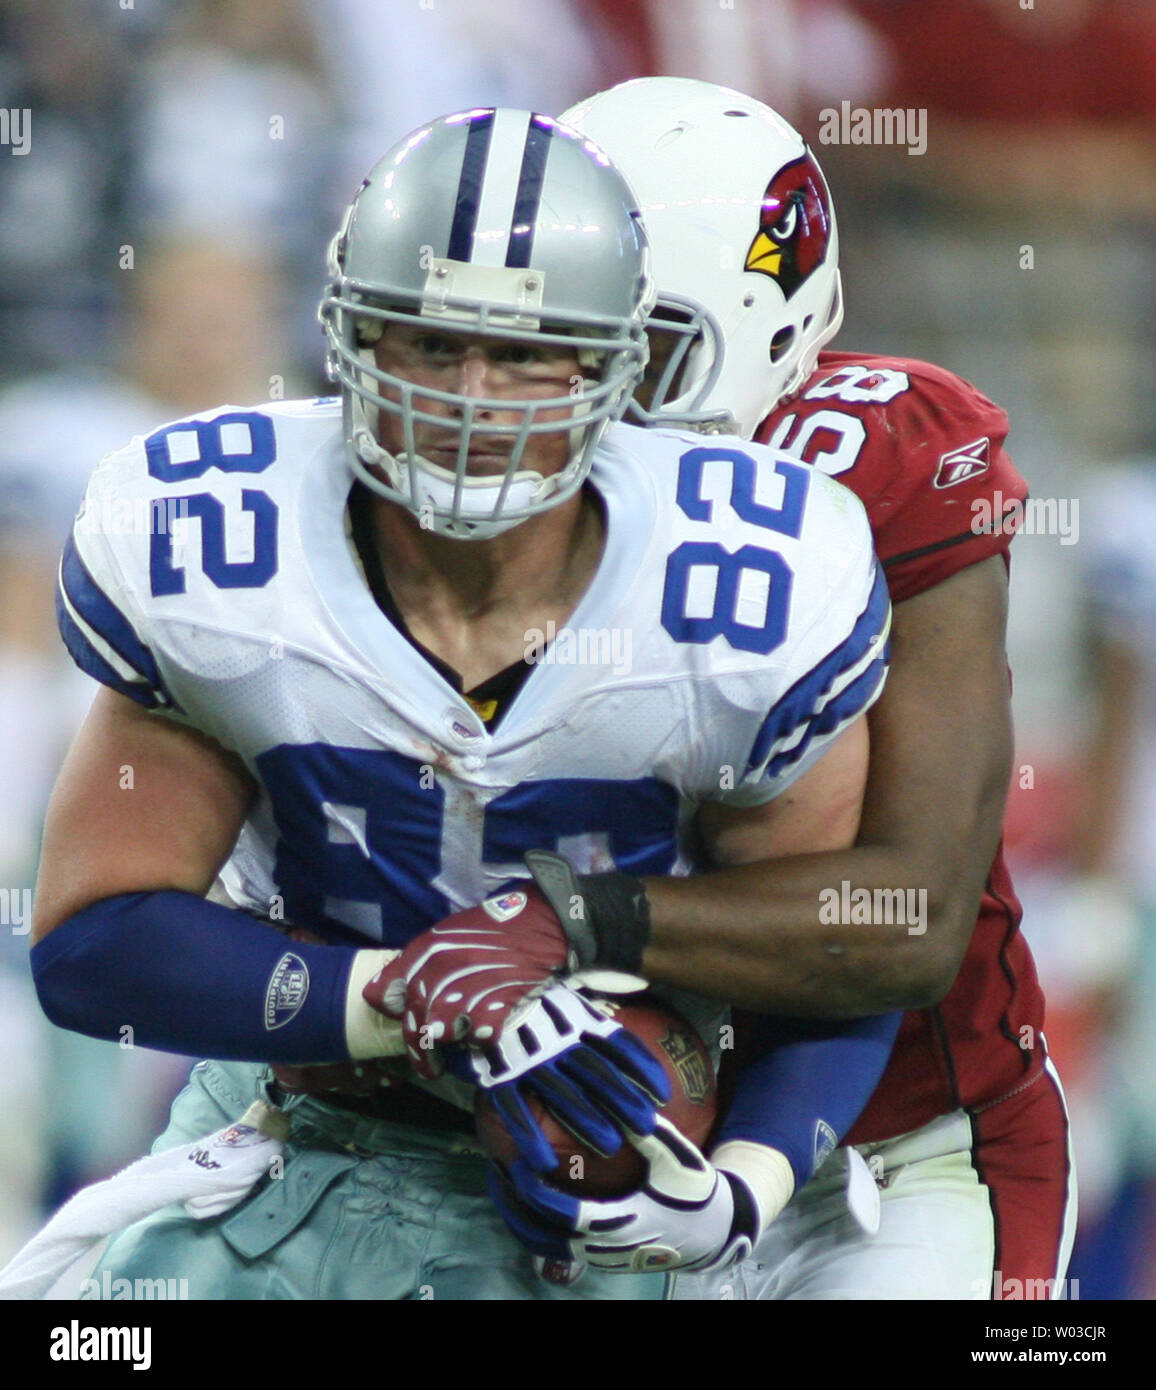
{"points": [[781, 343]]}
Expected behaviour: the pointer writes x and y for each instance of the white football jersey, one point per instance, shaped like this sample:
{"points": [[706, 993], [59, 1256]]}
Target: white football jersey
{"points": [[736, 624]]}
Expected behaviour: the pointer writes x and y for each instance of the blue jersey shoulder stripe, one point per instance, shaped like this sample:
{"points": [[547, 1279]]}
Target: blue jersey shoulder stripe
{"points": [[93, 664], [850, 702], [91, 603], [795, 711]]}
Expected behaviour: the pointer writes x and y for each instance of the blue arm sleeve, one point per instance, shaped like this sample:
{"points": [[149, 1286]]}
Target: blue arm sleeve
{"points": [[189, 976], [806, 1084]]}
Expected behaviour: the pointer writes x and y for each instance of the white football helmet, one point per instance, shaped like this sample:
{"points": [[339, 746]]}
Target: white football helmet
{"points": [[492, 224], [744, 247]]}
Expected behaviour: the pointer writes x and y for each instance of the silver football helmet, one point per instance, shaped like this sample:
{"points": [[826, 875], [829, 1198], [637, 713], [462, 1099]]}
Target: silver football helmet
{"points": [[492, 224], [744, 246]]}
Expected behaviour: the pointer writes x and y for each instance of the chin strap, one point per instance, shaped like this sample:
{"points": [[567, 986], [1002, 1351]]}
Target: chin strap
{"points": [[428, 492]]}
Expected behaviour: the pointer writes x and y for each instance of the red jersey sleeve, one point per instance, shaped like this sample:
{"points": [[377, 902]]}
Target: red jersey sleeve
{"points": [[921, 448]]}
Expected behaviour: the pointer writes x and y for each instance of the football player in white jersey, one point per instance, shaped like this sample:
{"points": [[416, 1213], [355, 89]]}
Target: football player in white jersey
{"points": [[352, 699]]}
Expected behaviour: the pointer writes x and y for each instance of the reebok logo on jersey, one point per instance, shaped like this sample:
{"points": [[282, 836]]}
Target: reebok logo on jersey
{"points": [[961, 464]]}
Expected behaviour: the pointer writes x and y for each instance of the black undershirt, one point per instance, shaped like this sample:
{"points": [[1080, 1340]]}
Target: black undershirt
{"points": [[492, 697]]}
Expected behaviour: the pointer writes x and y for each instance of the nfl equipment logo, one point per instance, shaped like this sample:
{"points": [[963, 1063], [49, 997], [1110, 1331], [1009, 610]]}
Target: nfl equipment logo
{"points": [[825, 1140], [288, 986], [505, 906]]}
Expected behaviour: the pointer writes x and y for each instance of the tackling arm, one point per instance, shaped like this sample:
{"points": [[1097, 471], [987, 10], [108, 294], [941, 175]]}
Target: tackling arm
{"points": [[941, 743]]}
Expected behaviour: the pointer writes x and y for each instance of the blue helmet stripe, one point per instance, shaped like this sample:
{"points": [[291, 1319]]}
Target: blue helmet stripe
{"points": [[529, 197], [461, 246]]}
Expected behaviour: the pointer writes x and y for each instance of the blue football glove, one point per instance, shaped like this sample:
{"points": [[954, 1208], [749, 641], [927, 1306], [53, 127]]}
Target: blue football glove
{"points": [[593, 1075], [690, 1215]]}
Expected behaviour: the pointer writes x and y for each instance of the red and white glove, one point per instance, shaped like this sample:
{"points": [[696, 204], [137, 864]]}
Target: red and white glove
{"points": [[458, 981]]}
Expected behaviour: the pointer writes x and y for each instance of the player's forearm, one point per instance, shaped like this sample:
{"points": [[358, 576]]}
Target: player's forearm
{"points": [[885, 923], [835, 935], [804, 1084], [174, 972]]}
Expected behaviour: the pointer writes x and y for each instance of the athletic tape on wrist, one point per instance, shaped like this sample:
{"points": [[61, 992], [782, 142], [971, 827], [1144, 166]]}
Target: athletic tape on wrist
{"points": [[766, 1173], [368, 1033]]}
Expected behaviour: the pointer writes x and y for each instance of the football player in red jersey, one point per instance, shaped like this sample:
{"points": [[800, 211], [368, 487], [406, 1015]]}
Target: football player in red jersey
{"points": [[966, 1134]]}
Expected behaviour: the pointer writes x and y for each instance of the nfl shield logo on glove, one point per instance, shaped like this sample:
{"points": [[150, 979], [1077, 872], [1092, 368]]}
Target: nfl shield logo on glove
{"points": [[504, 906]]}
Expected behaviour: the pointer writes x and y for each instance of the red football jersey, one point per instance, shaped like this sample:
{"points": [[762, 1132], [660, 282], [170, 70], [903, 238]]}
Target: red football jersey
{"points": [[923, 450]]}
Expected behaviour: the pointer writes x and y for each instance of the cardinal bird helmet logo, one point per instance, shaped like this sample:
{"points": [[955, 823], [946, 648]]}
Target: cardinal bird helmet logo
{"points": [[794, 226]]}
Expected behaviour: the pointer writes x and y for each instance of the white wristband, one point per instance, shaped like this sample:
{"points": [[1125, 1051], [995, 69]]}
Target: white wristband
{"points": [[765, 1171], [367, 1032]]}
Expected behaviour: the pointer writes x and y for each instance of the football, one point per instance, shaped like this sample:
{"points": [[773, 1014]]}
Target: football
{"points": [[691, 1108]]}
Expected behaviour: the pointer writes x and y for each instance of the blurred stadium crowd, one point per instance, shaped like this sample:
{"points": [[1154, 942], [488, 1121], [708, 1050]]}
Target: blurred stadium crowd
{"points": [[162, 241]]}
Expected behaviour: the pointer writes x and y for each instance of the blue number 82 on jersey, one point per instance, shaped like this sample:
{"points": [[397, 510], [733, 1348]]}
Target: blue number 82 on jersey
{"points": [[744, 580], [237, 442]]}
